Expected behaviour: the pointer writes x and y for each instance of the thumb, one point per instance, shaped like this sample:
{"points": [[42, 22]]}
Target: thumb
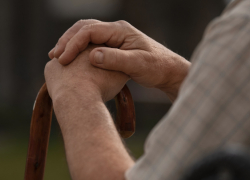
{"points": [[114, 59]]}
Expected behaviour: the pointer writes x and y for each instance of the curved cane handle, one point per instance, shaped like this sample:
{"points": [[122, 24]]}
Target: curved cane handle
{"points": [[39, 135], [41, 122]]}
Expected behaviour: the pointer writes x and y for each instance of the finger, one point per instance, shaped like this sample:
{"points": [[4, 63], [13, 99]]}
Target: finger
{"points": [[51, 53], [112, 34], [69, 34], [116, 59]]}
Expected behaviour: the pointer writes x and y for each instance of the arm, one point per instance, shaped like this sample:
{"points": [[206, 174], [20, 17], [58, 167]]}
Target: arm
{"points": [[212, 110], [94, 149], [129, 50]]}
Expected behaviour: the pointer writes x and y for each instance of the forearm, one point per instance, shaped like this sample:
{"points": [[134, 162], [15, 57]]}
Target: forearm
{"points": [[94, 149]]}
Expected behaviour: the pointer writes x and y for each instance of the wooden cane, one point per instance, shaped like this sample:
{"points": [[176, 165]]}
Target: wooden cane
{"points": [[41, 123]]}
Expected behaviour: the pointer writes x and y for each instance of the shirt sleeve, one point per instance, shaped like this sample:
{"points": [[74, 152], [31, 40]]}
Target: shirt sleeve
{"points": [[213, 107]]}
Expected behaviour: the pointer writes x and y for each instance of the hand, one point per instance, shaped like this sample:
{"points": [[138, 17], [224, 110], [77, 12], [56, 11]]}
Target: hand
{"points": [[82, 78], [129, 50], [92, 144]]}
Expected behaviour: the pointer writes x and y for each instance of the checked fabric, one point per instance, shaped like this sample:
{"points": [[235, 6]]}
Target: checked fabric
{"points": [[212, 110]]}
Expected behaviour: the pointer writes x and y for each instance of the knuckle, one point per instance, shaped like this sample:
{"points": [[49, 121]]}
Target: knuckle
{"points": [[123, 23], [90, 26], [50, 64], [91, 21], [86, 27], [47, 67], [80, 22], [84, 22], [125, 27]]}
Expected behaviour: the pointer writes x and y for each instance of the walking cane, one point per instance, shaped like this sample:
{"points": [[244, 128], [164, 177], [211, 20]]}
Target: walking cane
{"points": [[41, 122]]}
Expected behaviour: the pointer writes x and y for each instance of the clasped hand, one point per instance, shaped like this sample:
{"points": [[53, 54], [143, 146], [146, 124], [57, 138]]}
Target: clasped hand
{"points": [[127, 50], [81, 78]]}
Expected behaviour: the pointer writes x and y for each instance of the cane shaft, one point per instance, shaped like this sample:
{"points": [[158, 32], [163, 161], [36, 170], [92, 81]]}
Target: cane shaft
{"points": [[41, 122]]}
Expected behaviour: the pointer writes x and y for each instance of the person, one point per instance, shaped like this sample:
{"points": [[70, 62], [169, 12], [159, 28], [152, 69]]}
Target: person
{"points": [[210, 98]]}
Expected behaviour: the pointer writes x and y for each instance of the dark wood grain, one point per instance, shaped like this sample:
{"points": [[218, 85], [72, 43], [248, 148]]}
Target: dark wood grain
{"points": [[125, 118], [39, 136], [41, 122]]}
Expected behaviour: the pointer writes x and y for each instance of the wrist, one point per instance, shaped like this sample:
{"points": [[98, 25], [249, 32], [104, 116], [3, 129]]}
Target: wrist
{"points": [[69, 93], [174, 76], [70, 102]]}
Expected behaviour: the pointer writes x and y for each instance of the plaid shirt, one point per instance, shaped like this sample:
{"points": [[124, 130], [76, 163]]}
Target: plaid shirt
{"points": [[213, 107]]}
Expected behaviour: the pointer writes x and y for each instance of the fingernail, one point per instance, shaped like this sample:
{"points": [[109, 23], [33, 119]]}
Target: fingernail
{"points": [[98, 57]]}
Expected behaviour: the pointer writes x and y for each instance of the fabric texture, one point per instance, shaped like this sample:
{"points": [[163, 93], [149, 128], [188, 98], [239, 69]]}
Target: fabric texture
{"points": [[213, 107]]}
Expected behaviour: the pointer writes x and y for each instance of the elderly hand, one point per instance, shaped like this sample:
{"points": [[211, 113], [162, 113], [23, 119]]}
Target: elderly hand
{"points": [[92, 144], [129, 50], [83, 79]]}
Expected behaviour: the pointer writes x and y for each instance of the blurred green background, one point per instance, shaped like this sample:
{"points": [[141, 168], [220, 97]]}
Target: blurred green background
{"points": [[14, 142], [29, 29]]}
